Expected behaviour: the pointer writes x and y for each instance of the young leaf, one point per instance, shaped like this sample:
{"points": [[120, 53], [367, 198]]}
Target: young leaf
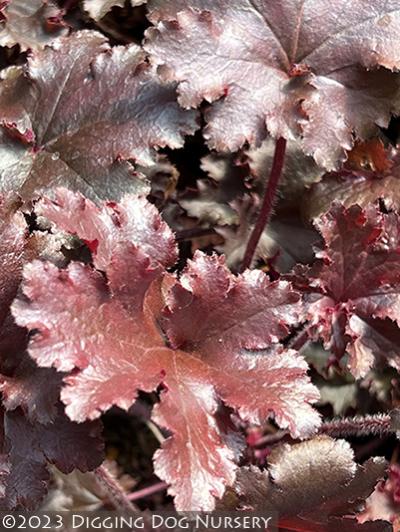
{"points": [[212, 202], [362, 186], [314, 485], [232, 175], [79, 124], [352, 290], [283, 243], [32, 25], [75, 492], [98, 8], [199, 336], [306, 69]]}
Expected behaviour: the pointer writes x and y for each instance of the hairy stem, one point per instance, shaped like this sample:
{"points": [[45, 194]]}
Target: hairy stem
{"points": [[268, 202], [115, 491], [146, 492], [381, 425], [378, 425]]}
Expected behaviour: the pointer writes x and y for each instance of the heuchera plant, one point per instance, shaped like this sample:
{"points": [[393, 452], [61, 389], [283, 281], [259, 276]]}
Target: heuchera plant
{"points": [[204, 213]]}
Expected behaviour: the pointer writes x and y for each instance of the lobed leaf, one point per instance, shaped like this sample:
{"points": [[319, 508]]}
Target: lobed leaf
{"points": [[30, 447], [206, 337], [308, 69], [35, 390], [383, 503], [35, 430], [21, 382], [313, 485], [81, 123], [359, 185], [352, 288], [32, 25]]}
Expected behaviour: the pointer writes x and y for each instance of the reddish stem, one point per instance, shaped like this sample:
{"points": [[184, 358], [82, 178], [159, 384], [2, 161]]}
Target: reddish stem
{"points": [[146, 492], [114, 490], [370, 425], [268, 202], [271, 439], [380, 425]]}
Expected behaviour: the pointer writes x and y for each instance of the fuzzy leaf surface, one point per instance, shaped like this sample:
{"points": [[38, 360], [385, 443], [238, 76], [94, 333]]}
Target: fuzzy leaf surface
{"points": [[313, 485]]}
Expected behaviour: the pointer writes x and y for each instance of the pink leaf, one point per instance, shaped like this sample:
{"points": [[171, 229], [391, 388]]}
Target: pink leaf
{"points": [[354, 285], [207, 337]]}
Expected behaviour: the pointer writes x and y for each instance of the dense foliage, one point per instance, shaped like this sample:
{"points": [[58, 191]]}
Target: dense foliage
{"points": [[199, 226]]}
